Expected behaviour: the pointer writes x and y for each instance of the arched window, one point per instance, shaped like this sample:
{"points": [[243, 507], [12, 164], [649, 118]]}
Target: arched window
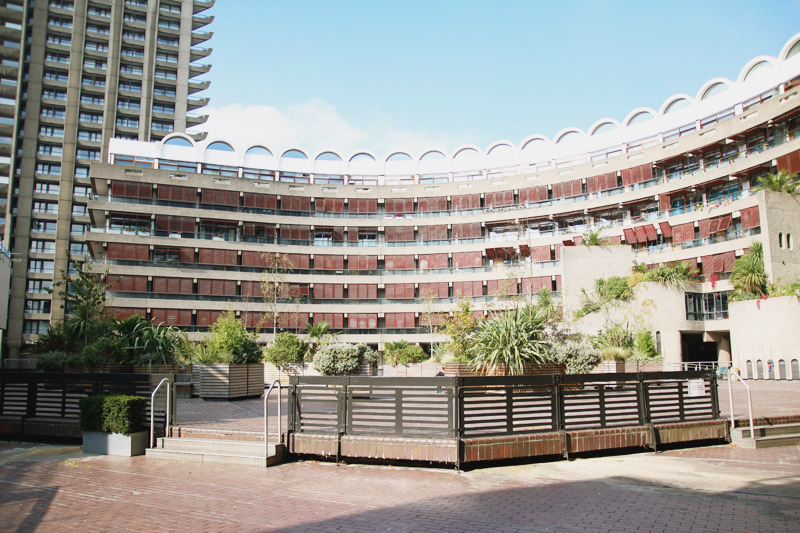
{"points": [[258, 150], [658, 342], [221, 146], [795, 369], [178, 141], [782, 369], [770, 369], [749, 368], [780, 240], [759, 369], [294, 154], [789, 243]]}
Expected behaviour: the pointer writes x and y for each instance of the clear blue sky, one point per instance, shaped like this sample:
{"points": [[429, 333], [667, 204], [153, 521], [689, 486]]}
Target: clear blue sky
{"points": [[481, 71]]}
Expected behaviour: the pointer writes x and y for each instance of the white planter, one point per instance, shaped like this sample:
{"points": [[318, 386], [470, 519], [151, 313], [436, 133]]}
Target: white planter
{"points": [[115, 443]]}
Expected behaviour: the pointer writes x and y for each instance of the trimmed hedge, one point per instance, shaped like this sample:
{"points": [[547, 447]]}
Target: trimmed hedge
{"points": [[113, 413]]}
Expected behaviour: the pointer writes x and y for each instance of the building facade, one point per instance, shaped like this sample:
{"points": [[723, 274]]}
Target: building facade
{"points": [[75, 74]]}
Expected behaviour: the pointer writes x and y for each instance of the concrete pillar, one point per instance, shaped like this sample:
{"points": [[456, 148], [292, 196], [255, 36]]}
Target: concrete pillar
{"points": [[724, 348]]}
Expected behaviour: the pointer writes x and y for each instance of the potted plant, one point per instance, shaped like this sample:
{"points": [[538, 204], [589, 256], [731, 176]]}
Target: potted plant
{"points": [[113, 424], [233, 365]]}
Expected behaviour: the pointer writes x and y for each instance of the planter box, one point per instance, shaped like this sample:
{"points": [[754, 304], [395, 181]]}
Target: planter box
{"points": [[115, 443], [465, 369], [228, 381], [609, 367]]}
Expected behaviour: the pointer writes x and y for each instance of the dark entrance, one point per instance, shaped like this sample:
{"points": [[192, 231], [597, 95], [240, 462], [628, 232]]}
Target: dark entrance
{"points": [[694, 349]]}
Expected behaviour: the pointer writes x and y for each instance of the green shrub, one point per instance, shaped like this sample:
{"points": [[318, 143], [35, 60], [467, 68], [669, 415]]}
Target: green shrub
{"points": [[286, 350], [342, 358], [114, 413], [105, 351], [577, 354], [230, 342], [402, 353], [644, 349], [53, 361]]}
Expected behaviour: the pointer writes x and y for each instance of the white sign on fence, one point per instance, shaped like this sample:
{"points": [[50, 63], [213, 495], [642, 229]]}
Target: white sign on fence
{"points": [[697, 388]]}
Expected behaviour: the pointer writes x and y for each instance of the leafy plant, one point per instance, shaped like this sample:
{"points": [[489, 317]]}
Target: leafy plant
{"points": [[511, 339], [342, 358], [576, 353], [403, 353], [592, 238], [230, 342], [748, 277], [157, 343], [614, 342], [53, 361], [460, 328], [644, 347], [318, 335], [113, 413], [671, 275], [287, 349], [780, 182]]}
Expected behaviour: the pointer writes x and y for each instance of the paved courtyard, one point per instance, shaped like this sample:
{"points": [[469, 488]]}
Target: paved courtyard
{"points": [[721, 488]]}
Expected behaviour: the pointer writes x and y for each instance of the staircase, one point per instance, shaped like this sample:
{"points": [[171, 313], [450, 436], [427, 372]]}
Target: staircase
{"points": [[194, 445], [767, 432]]}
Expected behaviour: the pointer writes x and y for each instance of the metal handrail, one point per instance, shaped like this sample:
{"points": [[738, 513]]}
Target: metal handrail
{"points": [[266, 415], [168, 411], [731, 374]]}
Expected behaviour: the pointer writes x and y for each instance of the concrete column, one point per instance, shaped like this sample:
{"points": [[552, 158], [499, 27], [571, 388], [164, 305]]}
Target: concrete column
{"points": [[724, 348]]}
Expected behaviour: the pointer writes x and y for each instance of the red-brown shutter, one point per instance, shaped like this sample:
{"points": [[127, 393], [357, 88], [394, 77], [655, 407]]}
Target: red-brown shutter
{"points": [[399, 262], [704, 227], [176, 193], [363, 262], [630, 236], [260, 201], [434, 290], [789, 162], [466, 201], [501, 287], [467, 259], [127, 283], [434, 203], [253, 259], [728, 259], [751, 217], [296, 203], [399, 205], [121, 313], [666, 229], [431, 261]]}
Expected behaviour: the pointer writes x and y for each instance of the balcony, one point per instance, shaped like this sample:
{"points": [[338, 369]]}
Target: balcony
{"points": [[198, 21], [196, 70], [196, 103], [197, 86], [201, 37], [201, 5], [199, 53]]}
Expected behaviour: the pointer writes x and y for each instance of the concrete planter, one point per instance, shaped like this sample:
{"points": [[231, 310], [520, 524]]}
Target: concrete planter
{"points": [[228, 381], [115, 443]]}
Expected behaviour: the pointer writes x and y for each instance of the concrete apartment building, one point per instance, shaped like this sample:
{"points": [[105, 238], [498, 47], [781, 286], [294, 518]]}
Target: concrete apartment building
{"points": [[382, 247], [73, 75]]}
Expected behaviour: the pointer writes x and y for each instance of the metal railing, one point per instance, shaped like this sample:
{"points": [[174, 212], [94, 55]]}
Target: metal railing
{"points": [[168, 381], [733, 374], [266, 415]]}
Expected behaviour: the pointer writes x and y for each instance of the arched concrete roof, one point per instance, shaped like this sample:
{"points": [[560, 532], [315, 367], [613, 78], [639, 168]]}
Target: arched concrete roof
{"points": [[669, 103], [424, 156], [325, 153], [603, 122], [294, 150], [639, 111], [404, 156], [177, 137], [793, 42], [253, 150], [531, 140], [569, 133], [222, 146], [753, 63], [371, 155], [463, 151], [711, 86], [498, 147]]}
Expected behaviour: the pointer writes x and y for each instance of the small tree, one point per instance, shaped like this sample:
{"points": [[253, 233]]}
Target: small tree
{"points": [[274, 286], [318, 335], [460, 328], [748, 277], [342, 358], [230, 342], [403, 353], [780, 182], [511, 339], [287, 350]]}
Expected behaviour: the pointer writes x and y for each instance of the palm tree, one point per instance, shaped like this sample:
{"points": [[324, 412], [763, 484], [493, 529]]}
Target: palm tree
{"points": [[780, 182], [748, 276], [592, 238], [319, 334], [511, 339]]}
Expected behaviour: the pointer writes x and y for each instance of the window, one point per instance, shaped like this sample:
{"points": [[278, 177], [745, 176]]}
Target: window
{"points": [[39, 285], [164, 108], [53, 57], [49, 149], [135, 35], [61, 22], [710, 306], [81, 172], [129, 68], [77, 229], [127, 122], [167, 41], [62, 4], [48, 168], [138, 3], [78, 248], [181, 166], [162, 126], [168, 58], [127, 103], [167, 8], [129, 223], [88, 153], [126, 136], [134, 161], [92, 99], [46, 187], [51, 131], [96, 118], [130, 86], [169, 24], [53, 112], [84, 135], [99, 12], [135, 17], [98, 28], [54, 94], [98, 47], [44, 226], [220, 170], [160, 90], [41, 266], [40, 206], [166, 74], [100, 64], [44, 247], [56, 75], [35, 327], [131, 52], [82, 191], [37, 306], [80, 210], [94, 81], [62, 40]]}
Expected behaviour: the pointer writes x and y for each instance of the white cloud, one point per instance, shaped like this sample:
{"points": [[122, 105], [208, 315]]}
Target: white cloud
{"points": [[313, 126]]}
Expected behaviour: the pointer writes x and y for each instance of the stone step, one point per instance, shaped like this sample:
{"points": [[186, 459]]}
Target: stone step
{"points": [[777, 440], [769, 431], [238, 447], [221, 434], [216, 457]]}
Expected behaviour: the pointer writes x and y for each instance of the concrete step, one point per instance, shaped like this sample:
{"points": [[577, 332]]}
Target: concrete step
{"points": [[777, 440], [769, 431], [214, 446], [227, 452], [220, 434]]}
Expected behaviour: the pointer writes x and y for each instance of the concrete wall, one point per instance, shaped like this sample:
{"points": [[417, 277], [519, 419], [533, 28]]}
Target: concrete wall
{"points": [[780, 222], [765, 330], [582, 265]]}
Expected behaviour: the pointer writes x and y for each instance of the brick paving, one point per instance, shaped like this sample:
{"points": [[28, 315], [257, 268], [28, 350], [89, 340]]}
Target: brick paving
{"points": [[55, 488]]}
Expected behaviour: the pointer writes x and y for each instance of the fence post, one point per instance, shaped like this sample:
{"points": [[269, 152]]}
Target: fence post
{"points": [[458, 418], [713, 390], [644, 412], [559, 419], [291, 401]]}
